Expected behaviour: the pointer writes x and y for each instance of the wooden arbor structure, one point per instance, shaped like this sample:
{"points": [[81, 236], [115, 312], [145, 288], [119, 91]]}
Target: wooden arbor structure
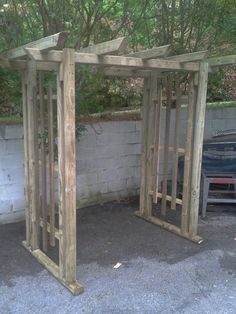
{"points": [[155, 65]]}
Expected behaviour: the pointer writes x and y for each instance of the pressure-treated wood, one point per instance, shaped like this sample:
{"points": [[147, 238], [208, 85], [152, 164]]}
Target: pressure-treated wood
{"points": [[145, 200], [176, 150], [114, 46], [33, 155], [156, 146], [51, 167], [66, 166], [199, 121], [169, 227], [166, 145], [155, 52], [26, 156], [109, 60], [44, 44], [43, 178], [187, 157], [189, 57]]}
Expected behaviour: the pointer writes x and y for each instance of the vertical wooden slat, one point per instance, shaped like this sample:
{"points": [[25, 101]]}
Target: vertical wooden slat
{"points": [[166, 146], [156, 158], [51, 167], [188, 155], [43, 185], [143, 185], [33, 154], [67, 167], [197, 147], [26, 156], [176, 151]]}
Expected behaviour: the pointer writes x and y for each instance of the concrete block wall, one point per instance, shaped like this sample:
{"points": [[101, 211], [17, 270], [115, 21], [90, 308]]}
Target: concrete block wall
{"points": [[108, 163], [108, 166]]}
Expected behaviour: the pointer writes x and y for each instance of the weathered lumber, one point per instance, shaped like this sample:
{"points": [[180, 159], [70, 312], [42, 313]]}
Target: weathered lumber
{"points": [[91, 58], [168, 197], [43, 181], [169, 227], [166, 145], [26, 156], [189, 57], [33, 155], [221, 61], [55, 41], [114, 46], [155, 52], [66, 166], [176, 150], [197, 147], [124, 72], [188, 156], [144, 200], [156, 146], [51, 167], [74, 287]]}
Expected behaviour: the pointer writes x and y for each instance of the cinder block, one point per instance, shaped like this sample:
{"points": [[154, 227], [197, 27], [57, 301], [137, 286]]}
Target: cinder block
{"points": [[14, 175], [3, 147], [2, 132], [14, 132], [9, 160], [86, 179], [117, 185], [18, 204], [6, 206], [14, 146]]}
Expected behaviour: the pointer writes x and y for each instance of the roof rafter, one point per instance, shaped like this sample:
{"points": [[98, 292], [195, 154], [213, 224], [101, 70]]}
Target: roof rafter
{"points": [[222, 61], [56, 41], [115, 46], [155, 52], [188, 57]]}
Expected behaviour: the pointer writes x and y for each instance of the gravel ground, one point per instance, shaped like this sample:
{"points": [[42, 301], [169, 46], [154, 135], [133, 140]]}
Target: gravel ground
{"points": [[160, 272]]}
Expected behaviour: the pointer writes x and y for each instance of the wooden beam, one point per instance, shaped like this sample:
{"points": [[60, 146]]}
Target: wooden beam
{"points": [[67, 166], [115, 46], [33, 155], [169, 227], [189, 57], [108, 60], [123, 72], [74, 287], [55, 41], [155, 52], [197, 147], [221, 61], [22, 65]]}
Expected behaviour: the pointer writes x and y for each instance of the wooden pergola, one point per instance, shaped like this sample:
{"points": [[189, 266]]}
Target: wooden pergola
{"points": [[156, 66]]}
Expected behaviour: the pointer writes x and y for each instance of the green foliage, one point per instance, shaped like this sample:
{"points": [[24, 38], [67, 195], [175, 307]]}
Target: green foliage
{"points": [[188, 25]]}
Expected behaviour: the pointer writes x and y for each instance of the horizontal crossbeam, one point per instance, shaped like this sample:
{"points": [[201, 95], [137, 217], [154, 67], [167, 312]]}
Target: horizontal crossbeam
{"points": [[108, 60]]}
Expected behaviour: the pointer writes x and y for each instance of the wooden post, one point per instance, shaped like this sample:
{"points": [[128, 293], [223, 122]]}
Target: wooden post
{"points": [[150, 99], [66, 167], [166, 146], [33, 155], [51, 167], [176, 149], [43, 185], [188, 155], [143, 185], [197, 147], [156, 156], [26, 156]]}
